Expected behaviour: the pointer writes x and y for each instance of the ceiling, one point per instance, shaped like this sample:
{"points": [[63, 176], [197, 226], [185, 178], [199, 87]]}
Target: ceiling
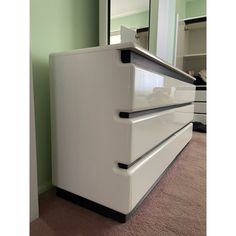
{"points": [[121, 8]]}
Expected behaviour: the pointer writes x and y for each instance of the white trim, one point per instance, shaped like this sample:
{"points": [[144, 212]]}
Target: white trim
{"points": [[34, 209], [176, 38], [103, 22], [131, 13], [195, 55], [193, 18]]}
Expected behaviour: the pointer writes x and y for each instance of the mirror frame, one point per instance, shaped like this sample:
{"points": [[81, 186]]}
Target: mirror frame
{"points": [[104, 23], [104, 10]]}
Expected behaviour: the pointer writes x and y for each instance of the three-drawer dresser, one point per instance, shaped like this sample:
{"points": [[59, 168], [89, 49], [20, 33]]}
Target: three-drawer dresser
{"points": [[119, 118]]}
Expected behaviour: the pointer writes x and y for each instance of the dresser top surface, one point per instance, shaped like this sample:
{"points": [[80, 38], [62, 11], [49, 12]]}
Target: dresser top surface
{"points": [[124, 46]]}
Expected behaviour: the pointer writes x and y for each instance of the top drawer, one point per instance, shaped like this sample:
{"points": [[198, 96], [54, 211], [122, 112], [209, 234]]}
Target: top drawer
{"points": [[152, 90], [100, 80]]}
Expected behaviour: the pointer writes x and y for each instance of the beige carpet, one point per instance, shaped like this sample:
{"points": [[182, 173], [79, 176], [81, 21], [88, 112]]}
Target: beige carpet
{"points": [[176, 206]]}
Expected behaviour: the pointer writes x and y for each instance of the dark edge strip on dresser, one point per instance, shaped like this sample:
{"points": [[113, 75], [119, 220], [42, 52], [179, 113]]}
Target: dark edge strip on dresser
{"points": [[127, 166], [128, 56], [200, 101], [134, 114], [91, 205], [106, 211], [108, 21], [199, 113], [201, 88]]}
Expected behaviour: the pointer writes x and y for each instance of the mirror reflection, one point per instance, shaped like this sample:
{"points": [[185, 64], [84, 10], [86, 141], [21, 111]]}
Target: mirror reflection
{"points": [[129, 22]]}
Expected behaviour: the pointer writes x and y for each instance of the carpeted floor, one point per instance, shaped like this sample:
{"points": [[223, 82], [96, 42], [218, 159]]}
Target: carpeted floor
{"points": [[176, 206]]}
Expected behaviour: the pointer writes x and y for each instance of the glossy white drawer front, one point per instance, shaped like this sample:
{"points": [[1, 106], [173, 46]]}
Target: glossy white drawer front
{"points": [[144, 174], [200, 107], [157, 90], [200, 118], [200, 95], [148, 131], [111, 86]]}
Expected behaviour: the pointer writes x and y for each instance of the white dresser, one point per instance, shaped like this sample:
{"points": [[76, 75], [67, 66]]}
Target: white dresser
{"points": [[119, 118]]}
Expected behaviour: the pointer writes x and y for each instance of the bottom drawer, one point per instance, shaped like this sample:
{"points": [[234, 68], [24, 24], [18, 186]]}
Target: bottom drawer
{"points": [[147, 171], [199, 118], [122, 189]]}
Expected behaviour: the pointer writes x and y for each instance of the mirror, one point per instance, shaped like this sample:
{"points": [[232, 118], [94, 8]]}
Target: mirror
{"points": [[129, 22], [149, 23]]}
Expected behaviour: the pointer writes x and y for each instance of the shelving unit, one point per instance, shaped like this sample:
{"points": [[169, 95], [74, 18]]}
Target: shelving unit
{"points": [[191, 56]]}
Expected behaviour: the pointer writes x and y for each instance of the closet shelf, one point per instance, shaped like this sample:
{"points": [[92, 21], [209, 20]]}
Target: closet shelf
{"points": [[192, 20], [195, 55], [198, 25]]}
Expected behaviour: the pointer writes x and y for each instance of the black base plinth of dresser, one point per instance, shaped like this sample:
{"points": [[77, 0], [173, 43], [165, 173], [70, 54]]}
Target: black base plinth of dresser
{"points": [[98, 208]]}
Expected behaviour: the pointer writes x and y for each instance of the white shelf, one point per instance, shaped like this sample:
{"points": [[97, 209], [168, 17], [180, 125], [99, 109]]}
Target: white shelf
{"points": [[195, 55], [193, 18]]}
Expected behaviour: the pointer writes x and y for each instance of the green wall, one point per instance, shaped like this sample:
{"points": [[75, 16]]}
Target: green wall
{"points": [[190, 8], [195, 8], [181, 8], [153, 25], [138, 20], [55, 25]]}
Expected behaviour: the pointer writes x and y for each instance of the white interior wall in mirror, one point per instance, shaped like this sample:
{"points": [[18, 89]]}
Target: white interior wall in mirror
{"points": [[129, 21]]}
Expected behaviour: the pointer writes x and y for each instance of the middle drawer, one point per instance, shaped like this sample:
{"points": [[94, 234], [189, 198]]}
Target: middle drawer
{"points": [[146, 132]]}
